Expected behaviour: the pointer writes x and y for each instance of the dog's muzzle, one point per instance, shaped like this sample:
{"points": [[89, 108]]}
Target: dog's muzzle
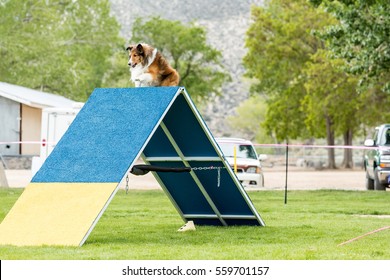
{"points": [[131, 64]]}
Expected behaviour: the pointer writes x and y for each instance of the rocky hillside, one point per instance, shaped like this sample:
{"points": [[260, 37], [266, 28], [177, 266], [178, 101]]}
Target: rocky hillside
{"points": [[226, 23]]}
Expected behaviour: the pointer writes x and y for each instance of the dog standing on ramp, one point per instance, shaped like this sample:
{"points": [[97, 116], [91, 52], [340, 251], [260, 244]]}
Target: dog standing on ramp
{"points": [[149, 68]]}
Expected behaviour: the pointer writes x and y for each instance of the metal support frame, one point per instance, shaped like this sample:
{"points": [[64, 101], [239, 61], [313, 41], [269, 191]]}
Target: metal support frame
{"points": [[219, 152], [192, 173], [165, 189], [174, 159]]}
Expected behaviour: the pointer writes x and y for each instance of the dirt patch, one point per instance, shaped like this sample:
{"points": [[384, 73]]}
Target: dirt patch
{"points": [[274, 179], [307, 180]]}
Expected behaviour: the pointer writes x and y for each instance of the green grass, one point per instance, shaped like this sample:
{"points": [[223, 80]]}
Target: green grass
{"points": [[143, 225]]}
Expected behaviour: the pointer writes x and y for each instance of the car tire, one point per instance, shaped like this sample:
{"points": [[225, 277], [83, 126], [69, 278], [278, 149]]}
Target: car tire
{"points": [[377, 184], [369, 183]]}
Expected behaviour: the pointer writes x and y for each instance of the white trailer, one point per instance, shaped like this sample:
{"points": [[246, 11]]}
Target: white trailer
{"points": [[55, 122]]}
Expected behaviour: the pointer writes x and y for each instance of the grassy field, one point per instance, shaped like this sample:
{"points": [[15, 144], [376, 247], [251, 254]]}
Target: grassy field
{"points": [[143, 225]]}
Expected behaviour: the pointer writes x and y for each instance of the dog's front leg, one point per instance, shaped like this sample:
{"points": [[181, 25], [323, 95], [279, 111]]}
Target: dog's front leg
{"points": [[146, 80], [137, 83]]}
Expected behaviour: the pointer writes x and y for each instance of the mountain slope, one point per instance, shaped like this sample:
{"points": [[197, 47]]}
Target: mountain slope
{"points": [[226, 23]]}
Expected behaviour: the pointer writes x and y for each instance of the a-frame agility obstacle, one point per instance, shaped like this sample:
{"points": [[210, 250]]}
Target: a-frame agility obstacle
{"points": [[71, 191]]}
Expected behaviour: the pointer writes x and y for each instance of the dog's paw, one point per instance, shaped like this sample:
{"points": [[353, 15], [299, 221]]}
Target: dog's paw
{"points": [[137, 83]]}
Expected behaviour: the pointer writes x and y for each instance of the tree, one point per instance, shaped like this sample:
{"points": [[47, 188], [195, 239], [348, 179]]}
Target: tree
{"points": [[362, 38], [333, 106], [118, 74], [198, 64], [308, 91], [250, 115], [58, 46], [280, 42]]}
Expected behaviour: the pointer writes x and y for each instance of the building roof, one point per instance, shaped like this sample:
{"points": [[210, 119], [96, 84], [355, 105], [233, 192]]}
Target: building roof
{"points": [[33, 98]]}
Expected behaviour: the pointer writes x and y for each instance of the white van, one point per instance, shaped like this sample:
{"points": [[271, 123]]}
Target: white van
{"points": [[249, 170]]}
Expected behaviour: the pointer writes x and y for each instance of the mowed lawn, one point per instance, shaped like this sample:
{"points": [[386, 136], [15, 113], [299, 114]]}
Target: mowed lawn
{"points": [[143, 225]]}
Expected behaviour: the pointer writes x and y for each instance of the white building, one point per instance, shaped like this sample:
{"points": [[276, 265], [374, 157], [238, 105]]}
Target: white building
{"points": [[21, 117]]}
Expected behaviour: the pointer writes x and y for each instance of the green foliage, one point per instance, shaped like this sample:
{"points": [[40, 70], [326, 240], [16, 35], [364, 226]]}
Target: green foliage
{"points": [[61, 47], [309, 92], [362, 38], [143, 225], [118, 74], [198, 64], [247, 122], [280, 41], [336, 98]]}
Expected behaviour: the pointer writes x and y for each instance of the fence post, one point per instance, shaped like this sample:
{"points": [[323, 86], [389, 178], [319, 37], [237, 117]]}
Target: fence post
{"points": [[285, 186], [3, 178]]}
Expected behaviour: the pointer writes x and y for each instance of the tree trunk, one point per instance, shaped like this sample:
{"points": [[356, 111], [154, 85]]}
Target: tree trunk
{"points": [[348, 158], [330, 140]]}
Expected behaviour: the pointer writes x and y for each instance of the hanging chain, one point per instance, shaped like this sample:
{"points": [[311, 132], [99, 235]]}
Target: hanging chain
{"points": [[207, 168], [211, 168], [127, 183], [219, 177]]}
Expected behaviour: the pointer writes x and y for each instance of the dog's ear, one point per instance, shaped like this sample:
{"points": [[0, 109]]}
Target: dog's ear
{"points": [[140, 49], [129, 48]]}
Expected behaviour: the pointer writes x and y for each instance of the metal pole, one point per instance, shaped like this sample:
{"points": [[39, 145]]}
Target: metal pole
{"points": [[235, 159], [285, 186]]}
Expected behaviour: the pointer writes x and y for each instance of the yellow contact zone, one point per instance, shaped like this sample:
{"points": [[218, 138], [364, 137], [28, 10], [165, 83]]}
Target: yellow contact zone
{"points": [[55, 213]]}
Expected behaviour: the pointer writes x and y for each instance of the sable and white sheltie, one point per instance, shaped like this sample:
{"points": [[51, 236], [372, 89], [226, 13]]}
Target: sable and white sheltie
{"points": [[149, 68]]}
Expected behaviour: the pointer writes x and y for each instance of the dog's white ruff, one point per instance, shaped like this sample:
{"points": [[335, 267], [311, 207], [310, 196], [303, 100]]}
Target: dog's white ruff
{"points": [[139, 75]]}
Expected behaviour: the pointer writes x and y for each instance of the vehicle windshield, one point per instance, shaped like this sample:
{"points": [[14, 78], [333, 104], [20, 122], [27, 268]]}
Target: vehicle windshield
{"points": [[385, 139], [242, 150]]}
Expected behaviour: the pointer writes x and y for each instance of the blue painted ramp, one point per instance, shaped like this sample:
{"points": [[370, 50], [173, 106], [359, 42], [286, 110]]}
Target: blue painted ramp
{"points": [[71, 191], [107, 135]]}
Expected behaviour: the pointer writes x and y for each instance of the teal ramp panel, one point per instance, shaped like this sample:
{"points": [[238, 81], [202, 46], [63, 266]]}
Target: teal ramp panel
{"points": [[211, 193]]}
